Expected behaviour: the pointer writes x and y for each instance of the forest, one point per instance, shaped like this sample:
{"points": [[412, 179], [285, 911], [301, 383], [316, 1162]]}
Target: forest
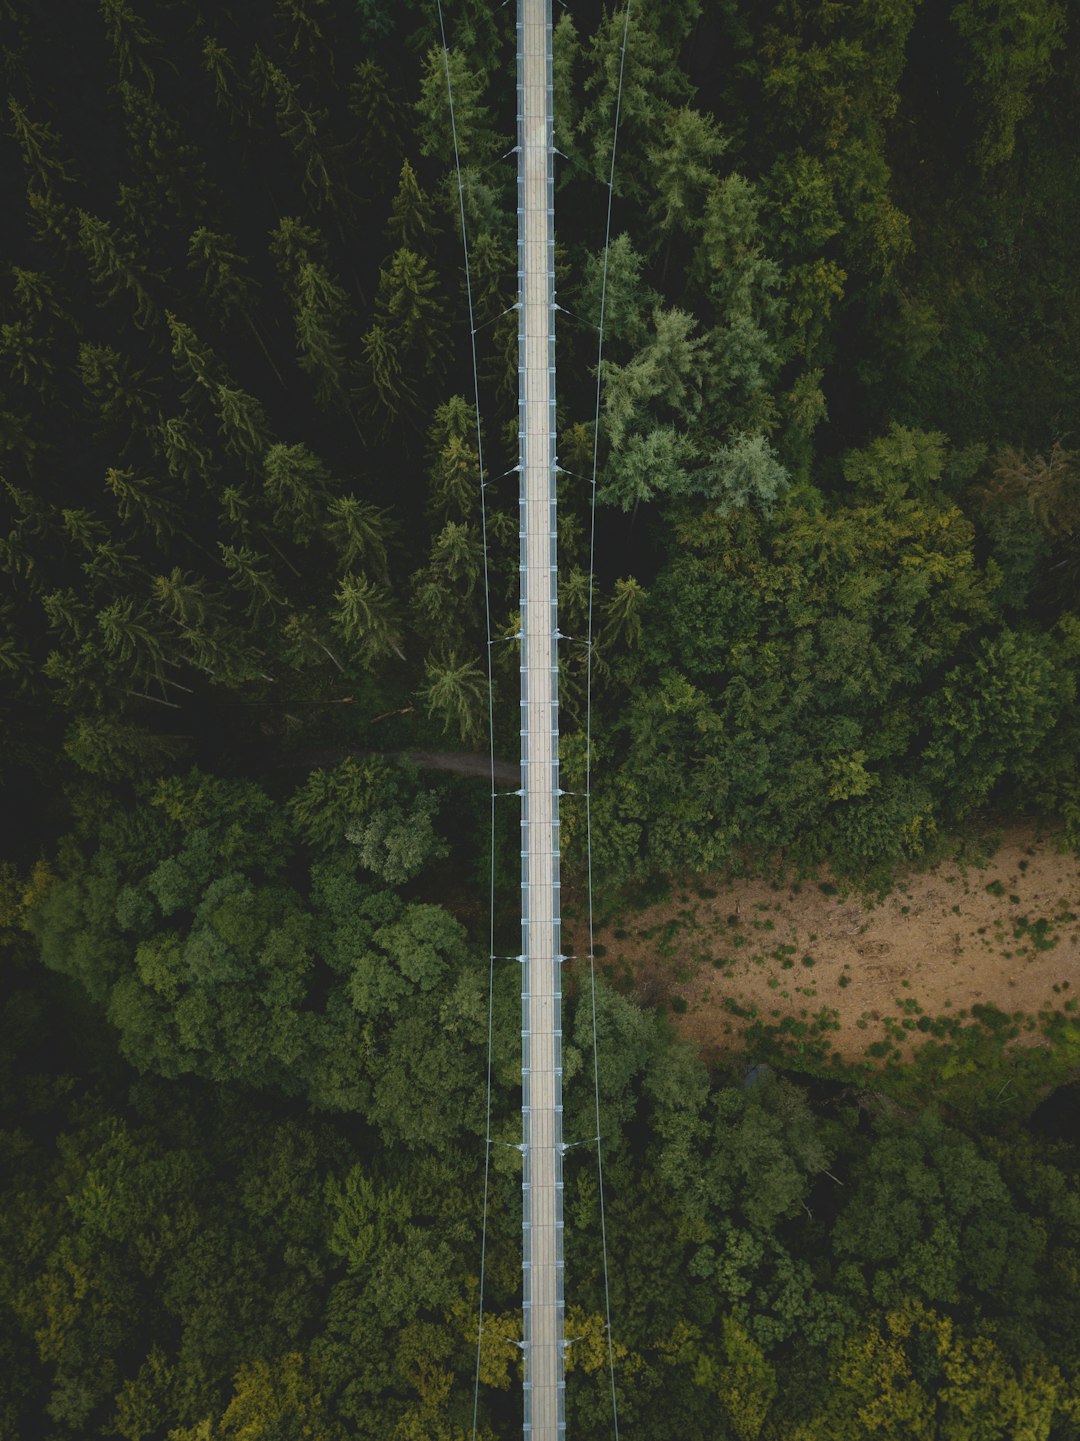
{"points": [[244, 883]]}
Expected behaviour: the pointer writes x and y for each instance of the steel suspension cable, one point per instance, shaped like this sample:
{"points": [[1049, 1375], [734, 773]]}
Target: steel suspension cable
{"points": [[491, 712], [588, 719]]}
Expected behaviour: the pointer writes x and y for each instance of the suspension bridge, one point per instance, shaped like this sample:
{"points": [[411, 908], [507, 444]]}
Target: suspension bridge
{"points": [[542, 1147], [541, 992]]}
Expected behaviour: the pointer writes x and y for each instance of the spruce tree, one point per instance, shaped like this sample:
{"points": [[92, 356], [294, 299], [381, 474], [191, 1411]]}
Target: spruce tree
{"points": [[366, 617], [114, 268], [412, 217]]}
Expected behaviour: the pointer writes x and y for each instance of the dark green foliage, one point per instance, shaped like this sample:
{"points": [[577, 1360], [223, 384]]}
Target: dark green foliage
{"points": [[244, 997]]}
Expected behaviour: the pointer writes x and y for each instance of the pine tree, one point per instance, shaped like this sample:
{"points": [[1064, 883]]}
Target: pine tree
{"points": [[381, 119], [387, 376], [228, 85], [406, 304], [297, 486], [113, 266], [15, 662], [54, 225], [166, 168], [455, 692], [357, 531], [303, 131], [476, 138], [292, 244], [25, 356], [244, 426], [33, 537], [304, 642], [131, 637], [652, 83], [682, 165], [412, 217], [142, 503], [131, 40], [185, 450], [186, 600], [622, 613], [68, 614], [40, 146], [35, 293], [457, 557], [253, 577], [84, 528], [121, 397], [225, 284], [200, 617], [367, 618], [320, 307], [455, 488], [197, 369]]}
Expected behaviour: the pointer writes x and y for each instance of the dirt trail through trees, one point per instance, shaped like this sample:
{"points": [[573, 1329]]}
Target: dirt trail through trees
{"points": [[1003, 933]]}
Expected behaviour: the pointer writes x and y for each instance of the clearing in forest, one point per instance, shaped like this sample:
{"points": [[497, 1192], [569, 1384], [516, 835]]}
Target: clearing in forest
{"points": [[1001, 932]]}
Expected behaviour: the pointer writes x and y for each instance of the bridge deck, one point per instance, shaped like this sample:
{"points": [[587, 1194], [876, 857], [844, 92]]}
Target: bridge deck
{"points": [[541, 972]]}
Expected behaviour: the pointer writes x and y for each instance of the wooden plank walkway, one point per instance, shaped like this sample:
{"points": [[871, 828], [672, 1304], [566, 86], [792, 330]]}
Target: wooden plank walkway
{"points": [[541, 942]]}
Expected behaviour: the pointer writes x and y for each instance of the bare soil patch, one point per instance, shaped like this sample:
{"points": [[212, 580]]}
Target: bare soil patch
{"points": [[1003, 933]]}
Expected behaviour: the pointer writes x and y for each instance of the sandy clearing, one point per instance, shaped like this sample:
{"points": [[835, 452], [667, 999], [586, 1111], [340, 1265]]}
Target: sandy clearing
{"points": [[1003, 933]]}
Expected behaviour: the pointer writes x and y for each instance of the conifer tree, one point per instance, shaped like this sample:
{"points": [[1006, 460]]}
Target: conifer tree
{"points": [[367, 618], [132, 42], [40, 147], [253, 577], [225, 284], [35, 293], [472, 119], [114, 268], [244, 425], [454, 692], [166, 168], [15, 662], [185, 449], [142, 503], [120, 395], [197, 369], [304, 641], [68, 614], [407, 305], [622, 613], [412, 217], [358, 530], [380, 118], [229, 95], [300, 30], [320, 307], [25, 356], [201, 621], [54, 225], [132, 639], [31, 539], [388, 382], [297, 485], [304, 132]]}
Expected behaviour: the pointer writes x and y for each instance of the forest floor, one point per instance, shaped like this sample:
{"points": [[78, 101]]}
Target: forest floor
{"points": [[1002, 931]]}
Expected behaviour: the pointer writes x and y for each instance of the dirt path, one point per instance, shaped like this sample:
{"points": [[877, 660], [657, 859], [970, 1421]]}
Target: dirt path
{"points": [[1005, 933]]}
